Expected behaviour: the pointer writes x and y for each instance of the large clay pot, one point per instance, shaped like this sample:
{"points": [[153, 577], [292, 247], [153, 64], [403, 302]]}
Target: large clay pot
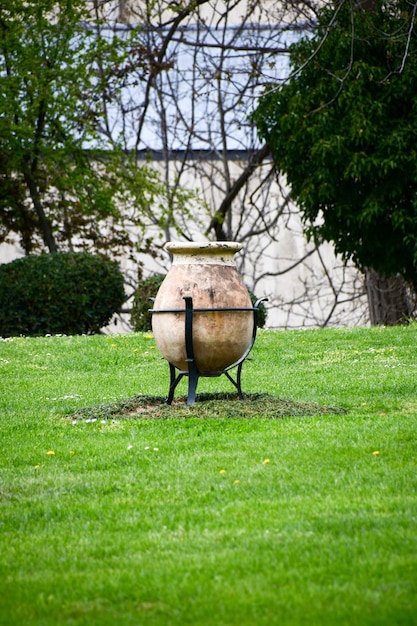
{"points": [[206, 272]]}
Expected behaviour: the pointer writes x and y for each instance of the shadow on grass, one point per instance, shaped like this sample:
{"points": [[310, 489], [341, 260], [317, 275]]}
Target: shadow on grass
{"points": [[214, 406]]}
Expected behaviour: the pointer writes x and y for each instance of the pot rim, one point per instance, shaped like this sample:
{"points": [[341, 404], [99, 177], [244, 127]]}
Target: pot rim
{"points": [[203, 247]]}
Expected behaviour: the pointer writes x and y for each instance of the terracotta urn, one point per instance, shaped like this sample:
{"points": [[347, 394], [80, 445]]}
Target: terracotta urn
{"points": [[207, 273]]}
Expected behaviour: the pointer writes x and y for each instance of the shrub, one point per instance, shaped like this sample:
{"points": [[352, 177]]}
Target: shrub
{"points": [[69, 293], [262, 312], [141, 319]]}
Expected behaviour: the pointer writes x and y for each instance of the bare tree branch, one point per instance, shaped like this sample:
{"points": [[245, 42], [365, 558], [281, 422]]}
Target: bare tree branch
{"points": [[217, 221]]}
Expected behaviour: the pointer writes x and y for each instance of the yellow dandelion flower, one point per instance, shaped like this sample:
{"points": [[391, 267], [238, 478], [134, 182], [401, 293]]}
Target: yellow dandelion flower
{"points": [[235, 482], [265, 461], [50, 453], [375, 452], [222, 471]]}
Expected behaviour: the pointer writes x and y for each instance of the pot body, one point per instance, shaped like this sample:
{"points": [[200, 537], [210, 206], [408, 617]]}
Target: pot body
{"points": [[207, 273]]}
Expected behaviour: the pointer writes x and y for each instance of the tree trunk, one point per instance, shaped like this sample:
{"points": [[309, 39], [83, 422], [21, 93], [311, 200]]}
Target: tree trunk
{"points": [[390, 299], [44, 224]]}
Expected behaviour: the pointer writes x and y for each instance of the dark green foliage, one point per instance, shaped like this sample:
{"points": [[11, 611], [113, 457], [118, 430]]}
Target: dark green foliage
{"points": [[262, 312], [69, 293], [141, 319], [344, 131]]}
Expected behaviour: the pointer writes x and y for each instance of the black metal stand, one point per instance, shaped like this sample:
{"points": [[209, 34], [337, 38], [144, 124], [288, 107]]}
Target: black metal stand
{"points": [[193, 373]]}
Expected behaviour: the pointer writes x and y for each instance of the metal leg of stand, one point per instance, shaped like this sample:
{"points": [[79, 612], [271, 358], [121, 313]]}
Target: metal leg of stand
{"points": [[237, 383], [193, 373], [193, 377], [239, 380], [174, 380]]}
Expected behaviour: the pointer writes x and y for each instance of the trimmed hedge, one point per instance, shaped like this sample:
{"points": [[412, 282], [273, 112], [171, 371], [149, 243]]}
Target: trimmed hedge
{"points": [[141, 319], [64, 293]]}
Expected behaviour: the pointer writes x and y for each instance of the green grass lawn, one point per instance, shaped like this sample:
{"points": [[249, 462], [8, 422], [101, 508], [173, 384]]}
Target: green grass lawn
{"points": [[210, 515]]}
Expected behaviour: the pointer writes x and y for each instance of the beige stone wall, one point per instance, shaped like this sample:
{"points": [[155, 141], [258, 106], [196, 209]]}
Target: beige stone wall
{"points": [[132, 11]]}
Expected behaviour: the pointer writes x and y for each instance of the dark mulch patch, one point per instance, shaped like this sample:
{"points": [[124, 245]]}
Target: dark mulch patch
{"points": [[214, 406]]}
